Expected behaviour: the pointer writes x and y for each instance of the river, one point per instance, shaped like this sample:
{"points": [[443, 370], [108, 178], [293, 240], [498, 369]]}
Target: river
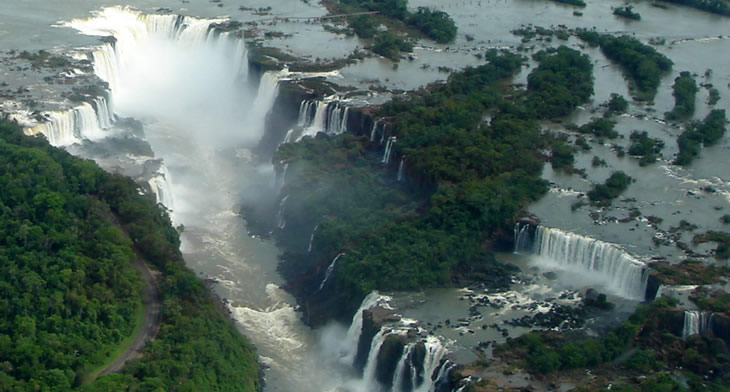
{"points": [[202, 117]]}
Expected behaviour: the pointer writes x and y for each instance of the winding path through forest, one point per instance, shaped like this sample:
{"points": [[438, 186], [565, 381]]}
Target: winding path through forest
{"points": [[152, 301], [152, 319]]}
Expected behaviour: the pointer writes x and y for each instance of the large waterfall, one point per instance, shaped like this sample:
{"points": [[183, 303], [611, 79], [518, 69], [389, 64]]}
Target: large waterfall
{"points": [[188, 85], [416, 365], [82, 122], [621, 273], [326, 116]]}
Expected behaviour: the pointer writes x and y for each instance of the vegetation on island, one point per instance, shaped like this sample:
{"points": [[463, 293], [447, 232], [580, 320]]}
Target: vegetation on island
{"points": [[644, 147], [70, 294], [684, 90], [700, 133], [562, 81], [600, 127], [434, 24], [617, 104], [579, 3], [627, 12], [722, 239], [645, 353], [562, 154], [642, 63], [603, 194], [461, 185], [720, 7]]}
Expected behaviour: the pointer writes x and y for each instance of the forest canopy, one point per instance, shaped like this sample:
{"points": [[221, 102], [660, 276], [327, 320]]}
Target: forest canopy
{"points": [[69, 293]]}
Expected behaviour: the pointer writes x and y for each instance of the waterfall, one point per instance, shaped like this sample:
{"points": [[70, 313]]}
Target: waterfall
{"points": [[160, 185], [622, 274], [434, 353], [336, 119], [343, 122], [521, 237], [696, 322], [405, 360], [146, 46], [330, 269], [311, 240], [267, 92], [443, 375], [400, 169], [409, 376], [388, 149], [72, 126], [321, 116], [104, 112], [281, 177], [280, 221], [369, 382], [130, 27], [305, 110], [318, 123], [349, 345], [372, 132]]}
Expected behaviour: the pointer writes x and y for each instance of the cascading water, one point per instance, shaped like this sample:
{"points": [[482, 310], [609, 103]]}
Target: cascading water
{"points": [[72, 126], [187, 84], [329, 117], [521, 237], [372, 131], [160, 186], [696, 322], [401, 169], [280, 221], [330, 269], [417, 374], [317, 123], [369, 383], [388, 149], [621, 273], [349, 345], [311, 239]]}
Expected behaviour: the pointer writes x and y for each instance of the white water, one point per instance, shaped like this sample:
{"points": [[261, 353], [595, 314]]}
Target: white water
{"points": [[330, 269], [160, 186], [311, 239], [596, 260], [73, 126], [372, 131], [326, 116], [349, 344], [521, 237], [280, 222], [388, 149], [189, 88], [368, 379], [696, 322], [400, 169]]}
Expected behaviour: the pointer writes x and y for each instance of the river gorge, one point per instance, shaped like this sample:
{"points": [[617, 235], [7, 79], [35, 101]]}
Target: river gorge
{"points": [[188, 108]]}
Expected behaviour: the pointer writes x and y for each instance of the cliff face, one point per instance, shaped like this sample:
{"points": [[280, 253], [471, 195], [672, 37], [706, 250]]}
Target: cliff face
{"points": [[284, 115], [721, 327]]}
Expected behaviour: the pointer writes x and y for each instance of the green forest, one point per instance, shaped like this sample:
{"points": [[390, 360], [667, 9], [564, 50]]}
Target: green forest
{"points": [[434, 24], [637, 350], [462, 186], [700, 133], [684, 90], [69, 294]]}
